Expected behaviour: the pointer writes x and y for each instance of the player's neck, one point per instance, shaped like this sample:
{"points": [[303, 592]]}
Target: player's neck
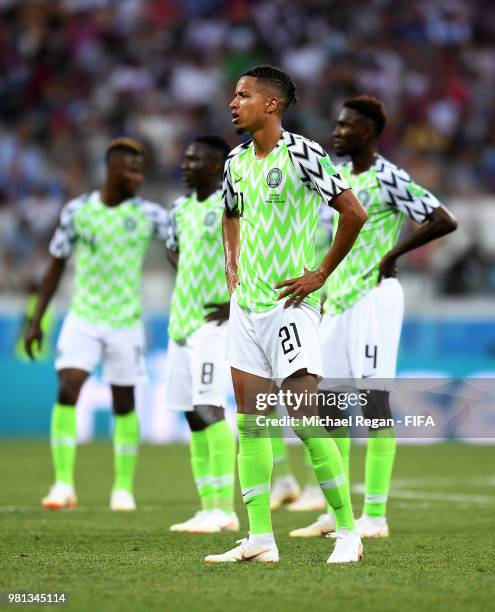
{"points": [[363, 160], [205, 191], [111, 196], [265, 139]]}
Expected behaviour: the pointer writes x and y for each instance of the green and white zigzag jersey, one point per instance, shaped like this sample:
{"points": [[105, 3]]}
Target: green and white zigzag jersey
{"points": [[196, 233], [277, 198], [110, 244], [389, 195]]}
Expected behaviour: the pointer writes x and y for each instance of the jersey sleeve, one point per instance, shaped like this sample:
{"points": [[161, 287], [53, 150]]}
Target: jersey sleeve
{"points": [[315, 168], [229, 197], [64, 239], [172, 241], [159, 218], [400, 192], [161, 223], [228, 194]]}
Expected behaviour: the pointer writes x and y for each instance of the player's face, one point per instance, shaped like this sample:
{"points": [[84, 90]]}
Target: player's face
{"points": [[351, 132], [127, 170], [249, 106], [197, 165]]}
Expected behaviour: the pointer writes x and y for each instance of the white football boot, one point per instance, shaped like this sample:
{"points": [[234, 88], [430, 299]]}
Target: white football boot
{"points": [[122, 501], [60, 497], [348, 547], [324, 524], [284, 491], [311, 499], [214, 522], [200, 514], [372, 527], [246, 551]]}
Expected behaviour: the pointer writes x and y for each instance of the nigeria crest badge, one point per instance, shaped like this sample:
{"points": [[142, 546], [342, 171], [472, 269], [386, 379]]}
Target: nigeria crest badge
{"points": [[210, 219], [274, 177], [130, 224]]}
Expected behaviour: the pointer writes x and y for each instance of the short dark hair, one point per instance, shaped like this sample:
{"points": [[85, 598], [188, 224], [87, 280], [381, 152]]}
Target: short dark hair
{"points": [[371, 108], [279, 79], [124, 145], [216, 143]]}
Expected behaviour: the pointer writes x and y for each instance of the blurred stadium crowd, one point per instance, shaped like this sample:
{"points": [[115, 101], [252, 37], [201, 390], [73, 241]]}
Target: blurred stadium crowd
{"points": [[75, 73]]}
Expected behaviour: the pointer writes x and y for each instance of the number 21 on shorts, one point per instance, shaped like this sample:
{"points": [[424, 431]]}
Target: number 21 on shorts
{"points": [[290, 338]]}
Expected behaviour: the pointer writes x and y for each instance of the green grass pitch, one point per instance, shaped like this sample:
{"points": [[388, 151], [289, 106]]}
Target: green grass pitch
{"points": [[440, 556]]}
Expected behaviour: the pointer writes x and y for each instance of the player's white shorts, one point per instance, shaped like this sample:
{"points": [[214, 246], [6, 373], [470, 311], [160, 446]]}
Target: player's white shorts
{"points": [[363, 342], [276, 343], [197, 371], [84, 345]]}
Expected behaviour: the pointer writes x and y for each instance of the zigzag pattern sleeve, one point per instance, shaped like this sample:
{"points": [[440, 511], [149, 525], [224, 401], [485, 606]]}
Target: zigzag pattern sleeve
{"points": [[172, 239], [315, 168], [64, 238], [159, 218], [228, 194], [401, 193]]}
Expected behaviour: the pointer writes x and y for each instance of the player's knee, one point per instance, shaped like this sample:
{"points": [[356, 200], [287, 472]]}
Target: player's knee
{"points": [[195, 422], [123, 400], [203, 416], [121, 409], [68, 391], [332, 409], [300, 397], [377, 405]]}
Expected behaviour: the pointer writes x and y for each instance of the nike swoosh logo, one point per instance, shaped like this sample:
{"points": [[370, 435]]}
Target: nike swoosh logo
{"points": [[247, 492], [262, 552], [237, 180], [203, 391], [291, 360], [367, 375]]}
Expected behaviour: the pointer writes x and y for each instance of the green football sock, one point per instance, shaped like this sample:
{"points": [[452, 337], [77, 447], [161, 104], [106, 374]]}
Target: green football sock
{"points": [[200, 463], [63, 442], [308, 478], [380, 457], [281, 465], [125, 447], [255, 462], [342, 438], [221, 451], [329, 470]]}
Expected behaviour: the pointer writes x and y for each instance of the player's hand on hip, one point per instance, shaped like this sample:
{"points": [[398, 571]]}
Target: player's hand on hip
{"points": [[33, 340], [232, 279], [298, 288], [220, 312], [387, 268]]}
